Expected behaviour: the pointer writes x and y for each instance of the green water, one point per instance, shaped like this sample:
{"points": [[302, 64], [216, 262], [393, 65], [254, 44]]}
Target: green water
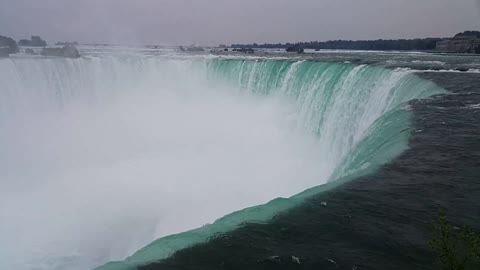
{"points": [[360, 115]]}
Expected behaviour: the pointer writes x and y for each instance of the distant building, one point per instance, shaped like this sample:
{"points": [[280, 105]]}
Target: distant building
{"points": [[466, 42], [35, 41]]}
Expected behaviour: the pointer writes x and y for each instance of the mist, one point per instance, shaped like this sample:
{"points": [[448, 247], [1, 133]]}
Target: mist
{"points": [[115, 164]]}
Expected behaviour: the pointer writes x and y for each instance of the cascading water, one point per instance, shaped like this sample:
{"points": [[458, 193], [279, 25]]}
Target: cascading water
{"points": [[102, 155]]}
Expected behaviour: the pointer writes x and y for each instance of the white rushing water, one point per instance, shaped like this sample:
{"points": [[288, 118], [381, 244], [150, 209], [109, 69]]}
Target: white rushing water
{"points": [[102, 155]]}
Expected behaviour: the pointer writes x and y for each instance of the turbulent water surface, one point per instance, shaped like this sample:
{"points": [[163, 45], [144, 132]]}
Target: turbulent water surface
{"points": [[104, 154]]}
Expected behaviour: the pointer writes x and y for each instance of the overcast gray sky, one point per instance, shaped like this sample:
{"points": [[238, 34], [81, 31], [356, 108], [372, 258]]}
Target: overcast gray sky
{"points": [[210, 22]]}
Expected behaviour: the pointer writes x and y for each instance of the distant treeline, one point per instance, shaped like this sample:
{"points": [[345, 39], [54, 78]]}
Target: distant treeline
{"points": [[468, 33], [380, 44]]}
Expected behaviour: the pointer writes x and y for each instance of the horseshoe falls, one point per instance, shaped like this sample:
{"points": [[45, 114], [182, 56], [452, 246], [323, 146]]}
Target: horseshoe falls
{"points": [[121, 160]]}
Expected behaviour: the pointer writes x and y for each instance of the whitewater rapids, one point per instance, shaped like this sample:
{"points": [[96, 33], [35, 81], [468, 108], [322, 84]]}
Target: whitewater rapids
{"points": [[100, 156]]}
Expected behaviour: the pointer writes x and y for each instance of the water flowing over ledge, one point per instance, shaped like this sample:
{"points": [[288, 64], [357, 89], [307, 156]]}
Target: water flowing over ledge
{"points": [[357, 116]]}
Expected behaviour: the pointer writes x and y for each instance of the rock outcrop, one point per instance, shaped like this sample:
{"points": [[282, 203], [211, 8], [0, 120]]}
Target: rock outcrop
{"points": [[7, 46], [66, 51], [35, 41]]}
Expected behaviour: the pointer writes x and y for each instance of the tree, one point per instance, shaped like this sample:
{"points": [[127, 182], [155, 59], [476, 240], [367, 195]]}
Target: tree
{"points": [[456, 248], [9, 44]]}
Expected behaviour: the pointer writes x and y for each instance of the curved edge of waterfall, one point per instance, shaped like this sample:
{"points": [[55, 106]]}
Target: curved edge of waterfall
{"points": [[323, 92]]}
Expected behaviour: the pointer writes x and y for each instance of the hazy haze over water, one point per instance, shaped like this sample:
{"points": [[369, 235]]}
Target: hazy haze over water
{"points": [[227, 21]]}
